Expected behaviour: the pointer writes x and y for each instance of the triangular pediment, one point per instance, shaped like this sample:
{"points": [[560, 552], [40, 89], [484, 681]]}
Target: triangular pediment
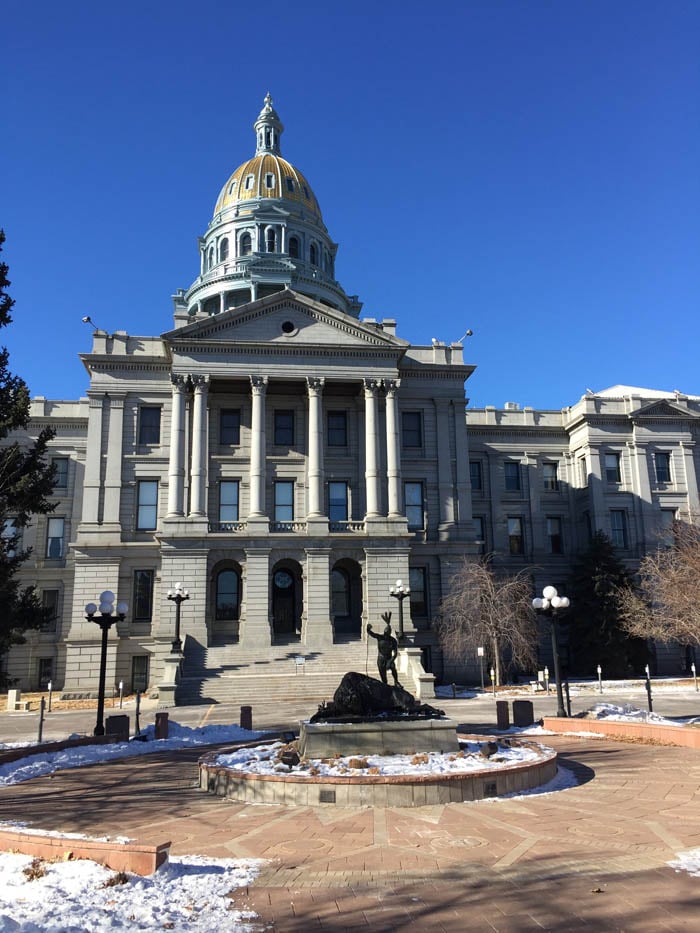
{"points": [[287, 319], [662, 409]]}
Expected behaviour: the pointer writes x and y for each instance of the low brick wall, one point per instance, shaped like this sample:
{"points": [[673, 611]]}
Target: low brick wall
{"points": [[129, 857], [370, 790], [684, 736]]}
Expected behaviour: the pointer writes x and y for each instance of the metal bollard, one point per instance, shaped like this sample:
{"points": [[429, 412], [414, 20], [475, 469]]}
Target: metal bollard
{"points": [[247, 718], [42, 708]]}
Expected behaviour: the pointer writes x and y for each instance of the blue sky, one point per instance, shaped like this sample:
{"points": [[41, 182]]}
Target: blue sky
{"points": [[528, 170]]}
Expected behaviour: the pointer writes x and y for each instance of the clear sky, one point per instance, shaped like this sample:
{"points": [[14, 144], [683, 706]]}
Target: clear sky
{"points": [[529, 169]]}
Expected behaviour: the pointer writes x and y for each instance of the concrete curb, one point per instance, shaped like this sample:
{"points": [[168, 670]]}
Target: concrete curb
{"points": [[119, 856], [682, 736]]}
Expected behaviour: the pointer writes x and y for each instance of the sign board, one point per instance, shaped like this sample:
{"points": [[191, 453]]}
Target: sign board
{"points": [[479, 652]]}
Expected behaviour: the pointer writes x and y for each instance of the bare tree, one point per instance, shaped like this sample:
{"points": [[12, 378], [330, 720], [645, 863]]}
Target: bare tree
{"points": [[666, 603], [483, 609]]}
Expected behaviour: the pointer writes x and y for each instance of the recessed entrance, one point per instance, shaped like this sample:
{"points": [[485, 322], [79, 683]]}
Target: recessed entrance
{"points": [[286, 601]]}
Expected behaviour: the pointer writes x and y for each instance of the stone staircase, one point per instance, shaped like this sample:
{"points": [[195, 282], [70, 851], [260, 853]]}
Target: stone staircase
{"points": [[288, 672]]}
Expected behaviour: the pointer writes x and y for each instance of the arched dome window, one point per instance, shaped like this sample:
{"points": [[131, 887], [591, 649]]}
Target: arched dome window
{"points": [[210, 257], [271, 240], [313, 255], [293, 247], [245, 244], [223, 249], [228, 590]]}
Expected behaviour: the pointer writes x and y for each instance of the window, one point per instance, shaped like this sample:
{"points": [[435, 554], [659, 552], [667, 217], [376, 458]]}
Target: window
{"points": [[337, 502], [271, 240], [232, 186], [149, 425], [480, 533], [413, 499], [417, 583], [516, 541], [583, 472], [340, 593], [10, 531], [139, 673], [269, 180], [45, 672], [230, 426], [612, 468], [618, 527], [223, 249], [550, 475], [313, 254], [411, 429], [245, 245], [337, 428], [667, 527], [146, 504], [475, 475], [228, 587], [284, 501], [290, 184], [512, 475], [60, 465], [249, 181], [49, 601], [228, 500], [556, 544], [293, 247], [284, 428], [142, 601], [306, 192], [662, 461], [54, 538], [210, 257]]}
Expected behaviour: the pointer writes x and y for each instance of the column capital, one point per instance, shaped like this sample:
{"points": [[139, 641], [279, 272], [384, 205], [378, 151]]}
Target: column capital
{"points": [[315, 384], [371, 386], [178, 382], [116, 400], [258, 384], [200, 382], [391, 386]]}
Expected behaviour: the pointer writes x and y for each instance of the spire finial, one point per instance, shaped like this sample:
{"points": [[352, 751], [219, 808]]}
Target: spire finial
{"points": [[268, 128]]}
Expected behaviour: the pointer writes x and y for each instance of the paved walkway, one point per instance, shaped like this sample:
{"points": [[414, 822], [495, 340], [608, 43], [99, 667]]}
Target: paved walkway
{"points": [[590, 858]]}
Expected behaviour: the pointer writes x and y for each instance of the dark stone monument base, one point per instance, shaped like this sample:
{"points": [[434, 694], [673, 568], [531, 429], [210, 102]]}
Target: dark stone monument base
{"points": [[379, 737]]}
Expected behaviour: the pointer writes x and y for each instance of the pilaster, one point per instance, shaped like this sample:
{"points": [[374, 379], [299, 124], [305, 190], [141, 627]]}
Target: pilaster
{"points": [[318, 628], [255, 629]]}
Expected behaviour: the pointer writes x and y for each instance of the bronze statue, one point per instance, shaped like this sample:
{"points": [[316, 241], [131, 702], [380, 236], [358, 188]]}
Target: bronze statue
{"points": [[387, 650]]}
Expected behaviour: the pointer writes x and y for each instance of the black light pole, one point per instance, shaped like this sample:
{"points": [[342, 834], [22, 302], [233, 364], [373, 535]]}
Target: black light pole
{"points": [[178, 596], [105, 620], [548, 605], [400, 592]]}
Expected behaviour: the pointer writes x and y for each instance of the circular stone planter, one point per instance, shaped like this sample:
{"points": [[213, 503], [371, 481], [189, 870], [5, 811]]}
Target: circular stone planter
{"points": [[377, 790]]}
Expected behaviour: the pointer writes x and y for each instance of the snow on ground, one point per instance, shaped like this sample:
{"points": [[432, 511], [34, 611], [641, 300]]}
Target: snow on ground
{"points": [[189, 893], [37, 765], [687, 861], [263, 759]]}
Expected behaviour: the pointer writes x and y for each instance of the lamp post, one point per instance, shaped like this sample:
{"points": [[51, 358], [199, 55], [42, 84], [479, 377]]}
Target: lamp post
{"points": [[548, 605], [178, 596], [105, 620], [400, 591]]}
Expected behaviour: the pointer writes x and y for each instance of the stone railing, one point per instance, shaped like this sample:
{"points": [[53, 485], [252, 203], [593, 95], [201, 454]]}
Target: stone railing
{"points": [[287, 527], [346, 527], [227, 527]]}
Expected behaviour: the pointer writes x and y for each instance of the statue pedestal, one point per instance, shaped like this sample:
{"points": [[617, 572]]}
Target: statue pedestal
{"points": [[380, 737]]}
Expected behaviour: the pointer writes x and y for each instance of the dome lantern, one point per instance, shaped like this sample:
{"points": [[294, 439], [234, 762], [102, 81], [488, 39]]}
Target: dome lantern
{"points": [[268, 128]]}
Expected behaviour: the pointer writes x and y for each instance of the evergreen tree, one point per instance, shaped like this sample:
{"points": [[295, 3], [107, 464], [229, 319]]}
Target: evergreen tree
{"points": [[26, 482], [594, 623]]}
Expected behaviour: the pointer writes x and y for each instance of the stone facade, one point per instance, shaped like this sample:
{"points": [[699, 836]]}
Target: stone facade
{"points": [[288, 461]]}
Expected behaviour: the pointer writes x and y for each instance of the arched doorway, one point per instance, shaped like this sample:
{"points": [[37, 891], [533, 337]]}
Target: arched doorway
{"points": [[346, 599], [226, 592], [287, 600]]}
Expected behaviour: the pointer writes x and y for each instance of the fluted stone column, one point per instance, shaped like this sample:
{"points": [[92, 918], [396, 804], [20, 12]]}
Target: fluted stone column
{"points": [[113, 474], [176, 466], [691, 478], [315, 473], [258, 386], [371, 387], [199, 446], [445, 485], [392, 447]]}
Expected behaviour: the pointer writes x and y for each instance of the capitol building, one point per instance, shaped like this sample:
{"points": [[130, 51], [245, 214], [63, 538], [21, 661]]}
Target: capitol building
{"points": [[288, 460]]}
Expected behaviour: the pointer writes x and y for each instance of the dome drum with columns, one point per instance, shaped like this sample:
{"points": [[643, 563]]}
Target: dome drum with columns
{"points": [[266, 234]]}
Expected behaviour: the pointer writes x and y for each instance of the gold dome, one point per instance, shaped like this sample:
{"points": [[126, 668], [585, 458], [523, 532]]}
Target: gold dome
{"points": [[267, 175]]}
